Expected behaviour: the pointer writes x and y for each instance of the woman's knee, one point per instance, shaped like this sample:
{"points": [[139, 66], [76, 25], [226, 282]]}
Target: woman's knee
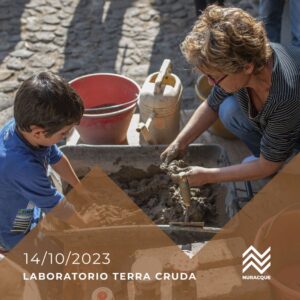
{"points": [[228, 111]]}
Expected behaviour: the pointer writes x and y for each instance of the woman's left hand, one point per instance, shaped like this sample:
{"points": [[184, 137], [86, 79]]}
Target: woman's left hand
{"points": [[195, 175]]}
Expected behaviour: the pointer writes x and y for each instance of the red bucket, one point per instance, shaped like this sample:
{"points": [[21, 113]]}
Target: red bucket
{"points": [[109, 101]]}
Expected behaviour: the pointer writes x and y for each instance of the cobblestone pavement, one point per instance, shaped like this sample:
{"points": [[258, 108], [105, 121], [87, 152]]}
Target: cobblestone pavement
{"points": [[78, 37]]}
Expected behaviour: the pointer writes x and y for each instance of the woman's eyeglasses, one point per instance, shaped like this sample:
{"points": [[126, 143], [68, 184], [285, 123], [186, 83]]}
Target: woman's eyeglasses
{"points": [[214, 81]]}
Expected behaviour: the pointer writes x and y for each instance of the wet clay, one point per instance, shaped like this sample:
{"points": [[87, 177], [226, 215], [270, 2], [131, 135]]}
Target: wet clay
{"points": [[155, 193], [107, 215], [160, 198], [174, 167]]}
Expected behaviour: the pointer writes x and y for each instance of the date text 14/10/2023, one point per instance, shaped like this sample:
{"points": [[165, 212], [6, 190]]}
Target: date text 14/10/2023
{"points": [[68, 258]]}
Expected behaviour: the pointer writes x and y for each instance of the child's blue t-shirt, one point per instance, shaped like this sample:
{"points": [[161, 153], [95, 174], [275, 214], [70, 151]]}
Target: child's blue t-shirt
{"points": [[25, 189]]}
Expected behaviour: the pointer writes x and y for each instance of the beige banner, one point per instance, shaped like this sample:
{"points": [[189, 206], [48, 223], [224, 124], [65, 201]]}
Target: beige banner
{"points": [[122, 254]]}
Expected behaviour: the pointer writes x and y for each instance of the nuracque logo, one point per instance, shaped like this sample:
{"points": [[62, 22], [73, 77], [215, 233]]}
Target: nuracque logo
{"points": [[261, 262]]}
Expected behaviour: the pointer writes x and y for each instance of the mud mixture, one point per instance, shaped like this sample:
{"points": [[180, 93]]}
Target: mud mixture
{"points": [[155, 193], [107, 215]]}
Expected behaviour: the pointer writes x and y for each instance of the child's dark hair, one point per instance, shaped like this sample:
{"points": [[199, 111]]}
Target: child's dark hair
{"points": [[48, 101]]}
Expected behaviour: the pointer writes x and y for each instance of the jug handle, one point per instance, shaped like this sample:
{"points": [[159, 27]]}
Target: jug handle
{"points": [[144, 128], [165, 69]]}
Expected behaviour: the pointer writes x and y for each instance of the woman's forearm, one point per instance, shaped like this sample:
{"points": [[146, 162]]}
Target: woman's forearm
{"points": [[200, 121], [254, 170]]}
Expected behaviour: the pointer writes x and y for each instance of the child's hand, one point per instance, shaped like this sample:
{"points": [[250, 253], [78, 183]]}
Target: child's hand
{"points": [[85, 195], [50, 223]]}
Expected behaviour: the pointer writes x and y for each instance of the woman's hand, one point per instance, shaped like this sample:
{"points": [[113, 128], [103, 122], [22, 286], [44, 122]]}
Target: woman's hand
{"points": [[253, 170], [195, 175], [173, 151]]}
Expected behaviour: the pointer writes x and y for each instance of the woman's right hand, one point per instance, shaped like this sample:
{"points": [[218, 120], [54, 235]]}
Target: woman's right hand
{"points": [[173, 151]]}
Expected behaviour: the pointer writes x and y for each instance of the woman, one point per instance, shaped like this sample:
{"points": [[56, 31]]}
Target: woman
{"points": [[256, 94]]}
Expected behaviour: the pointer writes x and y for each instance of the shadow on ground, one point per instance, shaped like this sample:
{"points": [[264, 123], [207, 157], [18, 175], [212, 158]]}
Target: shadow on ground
{"points": [[10, 25], [93, 38]]}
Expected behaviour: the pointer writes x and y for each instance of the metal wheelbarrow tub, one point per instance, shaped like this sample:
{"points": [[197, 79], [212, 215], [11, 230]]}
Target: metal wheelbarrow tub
{"points": [[111, 158], [116, 234]]}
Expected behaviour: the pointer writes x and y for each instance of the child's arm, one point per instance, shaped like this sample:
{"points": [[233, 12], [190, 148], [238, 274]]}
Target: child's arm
{"points": [[66, 172], [38, 189], [66, 212]]}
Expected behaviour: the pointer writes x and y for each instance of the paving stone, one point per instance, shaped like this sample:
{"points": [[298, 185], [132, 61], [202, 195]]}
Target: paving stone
{"points": [[111, 30], [15, 64], [45, 36], [147, 35], [4, 3], [159, 2], [14, 38], [22, 53], [6, 101], [144, 44], [33, 24], [26, 75], [5, 115], [60, 41], [48, 27], [68, 10], [4, 35], [140, 70], [9, 86], [36, 3], [136, 58], [140, 4], [128, 22], [41, 47], [66, 23], [67, 3], [145, 17], [6, 16], [128, 61], [63, 14], [46, 10], [54, 3], [131, 36], [51, 19], [26, 14], [188, 93], [60, 32], [42, 61], [4, 75], [31, 37], [176, 7], [5, 46], [126, 43], [20, 45], [132, 12], [72, 65], [181, 14]]}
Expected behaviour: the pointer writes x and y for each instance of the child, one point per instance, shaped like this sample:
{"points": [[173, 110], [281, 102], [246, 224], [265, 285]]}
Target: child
{"points": [[46, 109]]}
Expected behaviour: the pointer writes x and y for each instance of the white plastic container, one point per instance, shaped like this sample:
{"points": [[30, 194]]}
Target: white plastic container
{"points": [[159, 105]]}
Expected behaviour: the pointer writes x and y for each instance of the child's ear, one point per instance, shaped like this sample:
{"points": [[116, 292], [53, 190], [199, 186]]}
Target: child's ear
{"points": [[248, 68], [37, 131]]}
